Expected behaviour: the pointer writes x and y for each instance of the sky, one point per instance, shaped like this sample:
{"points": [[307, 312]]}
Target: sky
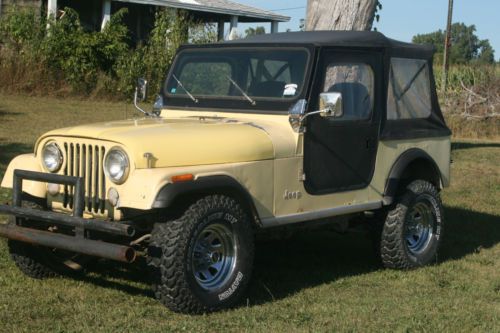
{"points": [[402, 19]]}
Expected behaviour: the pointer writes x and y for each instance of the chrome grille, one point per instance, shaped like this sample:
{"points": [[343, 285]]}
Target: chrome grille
{"points": [[85, 160]]}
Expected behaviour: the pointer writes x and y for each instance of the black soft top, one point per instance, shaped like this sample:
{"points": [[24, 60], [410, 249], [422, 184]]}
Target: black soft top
{"points": [[432, 126], [368, 39]]}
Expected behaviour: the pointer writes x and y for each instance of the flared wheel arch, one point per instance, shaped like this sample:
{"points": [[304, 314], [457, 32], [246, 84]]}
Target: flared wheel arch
{"points": [[182, 193], [413, 164]]}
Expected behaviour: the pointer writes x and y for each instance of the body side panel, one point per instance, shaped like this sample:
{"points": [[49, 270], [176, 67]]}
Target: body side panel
{"points": [[439, 149], [141, 189], [291, 196]]}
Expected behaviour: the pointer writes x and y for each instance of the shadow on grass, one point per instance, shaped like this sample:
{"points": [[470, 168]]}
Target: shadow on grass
{"points": [[467, 232], [283, 268], [4, 112], [469, 145], [10, 150], [113, 275]]}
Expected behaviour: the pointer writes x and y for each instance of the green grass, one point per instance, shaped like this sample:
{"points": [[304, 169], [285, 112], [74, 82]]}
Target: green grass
{"points": [[316, 281]]}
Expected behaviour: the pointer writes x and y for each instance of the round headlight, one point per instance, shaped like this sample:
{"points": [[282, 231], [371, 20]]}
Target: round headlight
{"points": [[52, 157], [116, 165]]}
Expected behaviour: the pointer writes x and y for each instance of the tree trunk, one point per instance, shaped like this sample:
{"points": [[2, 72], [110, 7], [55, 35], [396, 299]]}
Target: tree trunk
{"points": [[340, 14]]}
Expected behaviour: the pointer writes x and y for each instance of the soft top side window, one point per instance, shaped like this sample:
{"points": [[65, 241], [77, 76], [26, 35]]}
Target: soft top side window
{"points": [[355, 81], [409, 93]]}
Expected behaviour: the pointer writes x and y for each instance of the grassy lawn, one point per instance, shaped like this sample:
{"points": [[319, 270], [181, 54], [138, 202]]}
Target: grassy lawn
{"points": [[317, 281]]}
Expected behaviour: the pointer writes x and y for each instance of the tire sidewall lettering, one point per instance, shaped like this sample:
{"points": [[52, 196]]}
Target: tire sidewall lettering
{"points": [[437, 214], [230, 289], [220, 215]]}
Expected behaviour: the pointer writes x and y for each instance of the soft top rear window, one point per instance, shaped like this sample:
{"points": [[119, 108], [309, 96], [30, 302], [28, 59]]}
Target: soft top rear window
{"points": [[412, 105], [409, 94]]}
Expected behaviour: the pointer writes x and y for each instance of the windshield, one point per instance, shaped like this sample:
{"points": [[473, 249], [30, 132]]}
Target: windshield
{"points": [[251, 76]]}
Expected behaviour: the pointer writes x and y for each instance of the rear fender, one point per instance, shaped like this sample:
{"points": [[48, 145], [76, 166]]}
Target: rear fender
{"points": [[431, 173]]}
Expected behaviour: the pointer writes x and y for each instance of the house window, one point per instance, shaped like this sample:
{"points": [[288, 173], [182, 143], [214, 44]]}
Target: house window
{"points": [[409, 94]]}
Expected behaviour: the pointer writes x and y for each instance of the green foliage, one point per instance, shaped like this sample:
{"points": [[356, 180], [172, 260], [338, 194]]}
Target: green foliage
{"points": [[466, 47], [378, 8], [255, 31], [302, 25], [487, 54], [152, 60], [82, 56], [467, 75], [206, 79], [21, 29], [376, 14], [34, 58]]}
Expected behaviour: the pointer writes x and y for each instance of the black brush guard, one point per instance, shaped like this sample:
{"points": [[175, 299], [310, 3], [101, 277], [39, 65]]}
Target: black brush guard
{"points": [[78, 243]]}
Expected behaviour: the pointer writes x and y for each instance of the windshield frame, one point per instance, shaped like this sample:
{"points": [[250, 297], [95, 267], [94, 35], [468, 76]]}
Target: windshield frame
{"points": [[273, 105]]}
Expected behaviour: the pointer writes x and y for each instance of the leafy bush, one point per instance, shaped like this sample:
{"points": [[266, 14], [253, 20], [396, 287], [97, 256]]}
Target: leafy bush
{"points": [[153, 60], [83, 56], [67, 59]]}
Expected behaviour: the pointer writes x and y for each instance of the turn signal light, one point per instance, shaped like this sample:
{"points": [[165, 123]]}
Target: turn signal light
{"points": [[182, 178]]}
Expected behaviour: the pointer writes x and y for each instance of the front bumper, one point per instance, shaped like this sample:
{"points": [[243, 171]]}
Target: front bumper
{"points": [[78, 241]]}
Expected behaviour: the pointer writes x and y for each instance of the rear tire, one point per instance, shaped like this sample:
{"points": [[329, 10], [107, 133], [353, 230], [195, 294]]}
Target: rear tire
{"points": [[413, 227], [202, 261]]}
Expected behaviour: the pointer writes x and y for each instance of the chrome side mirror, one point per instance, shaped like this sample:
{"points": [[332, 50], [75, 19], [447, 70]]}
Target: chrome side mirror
{"points": [[140, 94], [158, 105], [330, 104], [296, 115], [141, 89]]}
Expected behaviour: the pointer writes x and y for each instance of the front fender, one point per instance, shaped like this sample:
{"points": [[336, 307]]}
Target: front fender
{"points": [[142, 189], [25, 162]]}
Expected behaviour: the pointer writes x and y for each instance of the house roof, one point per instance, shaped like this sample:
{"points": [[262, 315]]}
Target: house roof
{"points": [[224, 7]]}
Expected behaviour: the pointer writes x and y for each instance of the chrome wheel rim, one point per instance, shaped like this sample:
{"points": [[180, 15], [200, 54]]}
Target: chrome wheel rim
{"points": [[420, 225], [214, 256]]}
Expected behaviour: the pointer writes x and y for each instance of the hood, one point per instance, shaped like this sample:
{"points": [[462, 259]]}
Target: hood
{"points": [[184, 141]]}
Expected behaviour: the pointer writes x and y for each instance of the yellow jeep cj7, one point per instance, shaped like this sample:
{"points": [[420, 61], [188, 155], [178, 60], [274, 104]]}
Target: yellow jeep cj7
{"points": [[301, 128]]}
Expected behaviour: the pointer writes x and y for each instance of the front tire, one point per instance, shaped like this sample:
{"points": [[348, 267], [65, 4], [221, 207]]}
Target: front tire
{"points": [[41, 262], [202, 261], [29, 261], [413, 228]]}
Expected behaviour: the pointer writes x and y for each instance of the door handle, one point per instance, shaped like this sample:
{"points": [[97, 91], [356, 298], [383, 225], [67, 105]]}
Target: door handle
{"points": [[370, 143]]}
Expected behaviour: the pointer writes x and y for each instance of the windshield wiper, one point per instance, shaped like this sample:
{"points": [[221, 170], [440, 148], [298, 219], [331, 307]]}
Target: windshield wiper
{"points": [[241, 90], [194, 99]]}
